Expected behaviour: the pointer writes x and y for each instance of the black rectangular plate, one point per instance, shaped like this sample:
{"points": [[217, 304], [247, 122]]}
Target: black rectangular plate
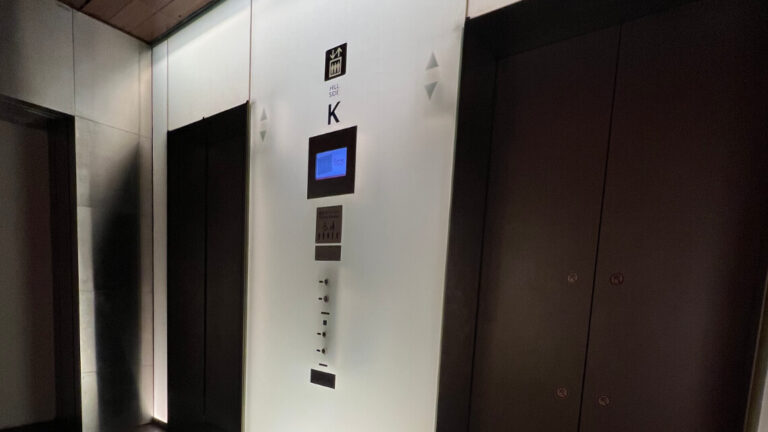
{"points": [[326, 142], [327, 253], [324, 379]]}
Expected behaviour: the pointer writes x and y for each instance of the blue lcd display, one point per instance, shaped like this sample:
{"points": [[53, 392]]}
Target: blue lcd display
{"points": [[331, 164]]}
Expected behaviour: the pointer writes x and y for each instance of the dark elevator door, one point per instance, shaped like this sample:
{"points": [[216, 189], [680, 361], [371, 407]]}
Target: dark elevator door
{"points": [[625, 231], [552, 118], [671, 347], [206, 263]]}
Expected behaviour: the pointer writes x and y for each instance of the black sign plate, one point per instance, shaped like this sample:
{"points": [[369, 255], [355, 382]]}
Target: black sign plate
{"points": [[328, 225], [324, 379], [336, 62], [327, 253]]}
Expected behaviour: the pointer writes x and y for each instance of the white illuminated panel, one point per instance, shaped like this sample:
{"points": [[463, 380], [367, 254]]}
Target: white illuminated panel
{"points": [[208, 64], [159, 196], [387, 291], [480, 7]]}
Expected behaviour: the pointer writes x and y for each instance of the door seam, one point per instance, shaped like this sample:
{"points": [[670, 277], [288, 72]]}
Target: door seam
{"points": [[599, 228]]}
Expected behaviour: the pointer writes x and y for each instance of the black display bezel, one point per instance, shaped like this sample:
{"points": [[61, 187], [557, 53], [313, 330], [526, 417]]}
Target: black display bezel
{"points": [[327, 142]]}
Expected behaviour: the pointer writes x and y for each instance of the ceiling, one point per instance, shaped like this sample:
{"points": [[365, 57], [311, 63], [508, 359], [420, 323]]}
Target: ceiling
{"points": [[147, 20]]}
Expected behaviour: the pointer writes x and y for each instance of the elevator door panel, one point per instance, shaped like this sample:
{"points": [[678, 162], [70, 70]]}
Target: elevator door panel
{"points": [[671, 346], [225, 219], [551, 131], [206, 262], [186, 274]]}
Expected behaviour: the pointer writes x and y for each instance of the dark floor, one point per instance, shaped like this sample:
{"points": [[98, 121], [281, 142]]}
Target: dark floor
{"points": [[150, 428]]}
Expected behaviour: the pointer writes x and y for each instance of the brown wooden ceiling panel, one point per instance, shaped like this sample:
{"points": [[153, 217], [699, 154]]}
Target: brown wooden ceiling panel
{"points": [[156, 5], [182, 8], [132, 15], [144, 19], [157, 24], [104, 9]]}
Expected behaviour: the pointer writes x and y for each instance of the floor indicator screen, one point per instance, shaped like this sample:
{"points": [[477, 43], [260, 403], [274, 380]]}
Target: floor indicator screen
{"points": [[331, 164]]}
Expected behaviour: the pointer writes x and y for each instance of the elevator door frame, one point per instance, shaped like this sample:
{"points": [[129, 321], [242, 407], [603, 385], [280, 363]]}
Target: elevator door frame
{"points": [[60, 129], [489, 39]]}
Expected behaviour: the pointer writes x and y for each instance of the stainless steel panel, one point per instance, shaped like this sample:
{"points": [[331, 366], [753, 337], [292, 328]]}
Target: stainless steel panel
{"points": [[145, 91], [114, 238], [36, 52], [106, 74]]}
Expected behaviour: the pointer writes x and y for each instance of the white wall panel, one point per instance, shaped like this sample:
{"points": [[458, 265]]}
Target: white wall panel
{"points": [[36, 53], [385, 342], [159, 160], [479, 7], [106, 74], [208, 64], [145, 91], [27, 370]]}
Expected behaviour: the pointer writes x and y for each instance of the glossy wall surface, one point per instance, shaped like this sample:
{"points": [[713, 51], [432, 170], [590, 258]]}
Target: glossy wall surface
{"points": [[114, 212], [115, 300]]}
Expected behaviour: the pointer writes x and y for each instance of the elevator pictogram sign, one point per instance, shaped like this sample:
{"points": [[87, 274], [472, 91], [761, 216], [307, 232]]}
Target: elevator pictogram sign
{"points": [[336, 62]]}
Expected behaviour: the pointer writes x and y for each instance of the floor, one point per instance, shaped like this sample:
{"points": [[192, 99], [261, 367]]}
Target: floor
{"points": [[150, 428]]}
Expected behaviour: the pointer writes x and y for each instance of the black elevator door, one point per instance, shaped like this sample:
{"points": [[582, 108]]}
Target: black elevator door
{"points": [[206, 267], [551, 130], [671, 346], [633, 160]]}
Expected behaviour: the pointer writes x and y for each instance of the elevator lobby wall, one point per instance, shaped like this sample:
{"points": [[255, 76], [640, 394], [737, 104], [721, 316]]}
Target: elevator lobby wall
{"points": [[400, 90]]}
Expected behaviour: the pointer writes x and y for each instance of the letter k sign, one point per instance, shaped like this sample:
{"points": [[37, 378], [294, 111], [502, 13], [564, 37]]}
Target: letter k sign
{"points": [[332, 112]]}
